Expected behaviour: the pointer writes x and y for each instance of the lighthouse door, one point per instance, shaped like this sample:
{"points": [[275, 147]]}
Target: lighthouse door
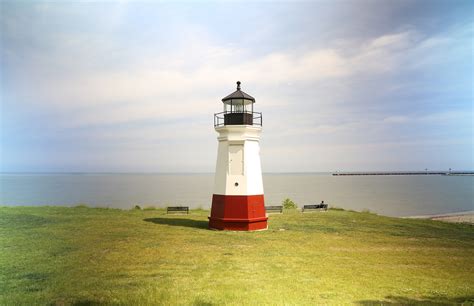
{"points": [[236, 159]]}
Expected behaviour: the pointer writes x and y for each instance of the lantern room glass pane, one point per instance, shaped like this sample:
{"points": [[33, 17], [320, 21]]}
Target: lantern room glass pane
{"points": [[239, 108]]}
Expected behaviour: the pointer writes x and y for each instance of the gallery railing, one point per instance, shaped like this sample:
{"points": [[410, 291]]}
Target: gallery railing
{"points": [[234, 118]]}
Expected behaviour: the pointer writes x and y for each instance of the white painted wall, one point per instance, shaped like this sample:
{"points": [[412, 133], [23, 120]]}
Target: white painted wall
{"points": [[238, 161]]}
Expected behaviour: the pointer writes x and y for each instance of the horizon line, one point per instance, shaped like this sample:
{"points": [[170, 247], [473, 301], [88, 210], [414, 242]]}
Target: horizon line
{"points": [[268, 172]]}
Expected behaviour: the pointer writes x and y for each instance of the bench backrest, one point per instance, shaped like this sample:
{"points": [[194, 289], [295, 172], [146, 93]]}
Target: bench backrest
{"points": [[273, 207], [312, 206], [178, 208]]}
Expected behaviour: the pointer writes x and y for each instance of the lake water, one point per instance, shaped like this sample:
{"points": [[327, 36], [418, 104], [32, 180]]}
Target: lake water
{"points": [[386, 195]]}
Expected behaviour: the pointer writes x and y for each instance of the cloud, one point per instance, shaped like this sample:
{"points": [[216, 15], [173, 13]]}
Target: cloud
{"points": [[164, 88], [106, 79]]}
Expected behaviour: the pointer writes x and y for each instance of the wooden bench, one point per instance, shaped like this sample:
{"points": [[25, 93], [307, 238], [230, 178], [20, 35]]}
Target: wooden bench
{"points": [[177, 209], [318, 207], [271, 209]]}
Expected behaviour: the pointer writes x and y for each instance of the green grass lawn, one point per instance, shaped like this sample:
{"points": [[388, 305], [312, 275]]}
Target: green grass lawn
{"points": [[63, 256]]}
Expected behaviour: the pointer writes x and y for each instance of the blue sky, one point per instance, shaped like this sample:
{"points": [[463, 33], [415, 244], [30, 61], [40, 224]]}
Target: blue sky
{"points": [[133, 86]]}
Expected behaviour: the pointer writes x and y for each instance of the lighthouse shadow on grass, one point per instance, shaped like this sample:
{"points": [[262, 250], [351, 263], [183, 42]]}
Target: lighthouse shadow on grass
{"points": [[202, 224]]}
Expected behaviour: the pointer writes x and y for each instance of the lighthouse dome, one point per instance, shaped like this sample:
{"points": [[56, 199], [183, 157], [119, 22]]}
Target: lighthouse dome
{"points": [[238, 97]]}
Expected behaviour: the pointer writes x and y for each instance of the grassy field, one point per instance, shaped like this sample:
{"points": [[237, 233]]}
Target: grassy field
{"points": [[63, 256]]}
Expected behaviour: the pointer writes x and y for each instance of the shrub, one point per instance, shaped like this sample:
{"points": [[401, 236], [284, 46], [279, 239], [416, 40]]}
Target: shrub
{"points": [[289, 204], [81, 205], [367, 211]]}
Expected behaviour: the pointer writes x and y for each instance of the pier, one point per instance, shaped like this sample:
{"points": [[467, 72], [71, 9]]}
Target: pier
{"points": [[404, 173]]}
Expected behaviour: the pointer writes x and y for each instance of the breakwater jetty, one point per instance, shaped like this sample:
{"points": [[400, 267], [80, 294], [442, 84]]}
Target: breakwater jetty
{"points": [[405, 173]]}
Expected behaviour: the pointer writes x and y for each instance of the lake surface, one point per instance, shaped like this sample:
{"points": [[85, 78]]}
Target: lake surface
{"points": [[386, 195]]}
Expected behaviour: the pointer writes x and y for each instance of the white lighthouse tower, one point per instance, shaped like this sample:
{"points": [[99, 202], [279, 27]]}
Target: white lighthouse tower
{"points": [[238, 201]]}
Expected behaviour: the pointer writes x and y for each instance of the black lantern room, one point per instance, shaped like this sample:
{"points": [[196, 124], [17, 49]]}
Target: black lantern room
{"points": [[238, 110]]}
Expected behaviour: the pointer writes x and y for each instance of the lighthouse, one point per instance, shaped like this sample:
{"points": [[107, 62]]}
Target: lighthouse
{"points": [[238, 201]]}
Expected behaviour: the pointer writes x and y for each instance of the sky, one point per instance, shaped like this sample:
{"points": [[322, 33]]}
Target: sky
{"points": [[132, 86]]}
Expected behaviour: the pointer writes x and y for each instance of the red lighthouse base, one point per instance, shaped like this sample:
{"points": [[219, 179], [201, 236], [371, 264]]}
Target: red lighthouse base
{"points": [[238, 213]]}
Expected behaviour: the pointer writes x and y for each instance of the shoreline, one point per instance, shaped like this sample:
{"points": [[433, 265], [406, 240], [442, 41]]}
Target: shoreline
{"points": [[457, 217]]}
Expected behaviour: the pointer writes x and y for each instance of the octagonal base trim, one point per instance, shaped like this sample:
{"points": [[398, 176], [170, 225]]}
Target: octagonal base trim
{"points": [[238, 212]]}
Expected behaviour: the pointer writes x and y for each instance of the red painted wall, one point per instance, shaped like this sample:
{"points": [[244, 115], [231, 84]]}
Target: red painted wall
{"points": [[238, 213]]}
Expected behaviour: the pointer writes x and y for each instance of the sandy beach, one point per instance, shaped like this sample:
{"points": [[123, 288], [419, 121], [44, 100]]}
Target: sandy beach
{"points": [[460, 217]]}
